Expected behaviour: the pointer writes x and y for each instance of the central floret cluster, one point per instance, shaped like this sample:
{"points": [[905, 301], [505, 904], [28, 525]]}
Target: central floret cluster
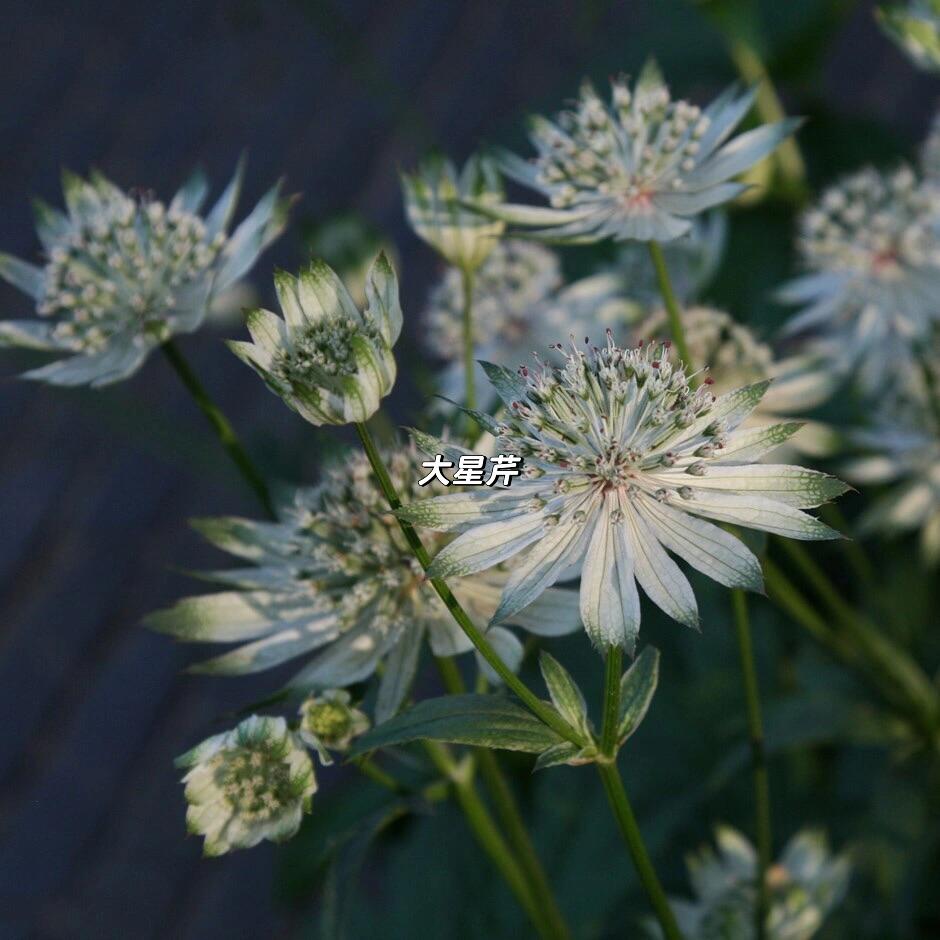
{"points": [[623, 453], [639, 167], [874, 226]]}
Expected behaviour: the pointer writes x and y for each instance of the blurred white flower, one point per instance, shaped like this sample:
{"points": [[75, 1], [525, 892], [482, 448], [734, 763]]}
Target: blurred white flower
{"points": [[434, 198], [328, 361], [335, 575], [328, 722], [622, 458], [242, 786], [903, 450], [641, 167], [124, 273], [519, 305], [872, 246], [805, 886], [915, 26], [735, 356]]}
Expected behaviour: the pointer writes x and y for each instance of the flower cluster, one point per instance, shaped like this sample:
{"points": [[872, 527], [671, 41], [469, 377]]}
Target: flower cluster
{"points": [[734, 356], [329, 722], [252, 783], [804, 887], [519, 304], [434, 201], [623, 459], [640, 167], [125, 273], [329, 361], [872, 246], [334, 576]]}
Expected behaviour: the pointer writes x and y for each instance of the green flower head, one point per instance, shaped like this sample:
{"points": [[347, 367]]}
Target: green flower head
{"points": [[434, 203], [329, 361], [252, 783], [329, 722]]}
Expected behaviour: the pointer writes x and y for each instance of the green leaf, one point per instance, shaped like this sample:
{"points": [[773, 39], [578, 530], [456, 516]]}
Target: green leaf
{"points": [[564, 692], [636, 691], [480, 720]]}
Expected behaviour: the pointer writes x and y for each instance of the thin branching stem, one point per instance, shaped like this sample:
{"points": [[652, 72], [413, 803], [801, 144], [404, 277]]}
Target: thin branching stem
{"points": [[673, 311], [220, 424], [761, 781]]}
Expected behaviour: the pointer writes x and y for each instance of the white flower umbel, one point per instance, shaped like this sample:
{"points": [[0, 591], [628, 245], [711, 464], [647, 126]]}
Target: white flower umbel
{"points": [[915, 26], [872, 247], [622, 459], [519, 304], [639, 167], [329, 361], [252, 783], [328, 722], [805, 886], [433, 202], [124, 273], [903, 450], [734, 356], [334, 576]]}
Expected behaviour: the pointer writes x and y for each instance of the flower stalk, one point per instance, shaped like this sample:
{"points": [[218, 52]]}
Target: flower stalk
{"points": [[220, 424], [469, 363], [673, 311]]}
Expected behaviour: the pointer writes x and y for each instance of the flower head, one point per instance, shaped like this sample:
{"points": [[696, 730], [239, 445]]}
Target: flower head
{"points": [[252, 783], [519, 304], [872, 248], [623, 459], [335, 577], [734, 356], [915, 26], [640, 167], [328, 722], [903, 450], [433, 201], [123, 273], [804, 887], [329, 361]]}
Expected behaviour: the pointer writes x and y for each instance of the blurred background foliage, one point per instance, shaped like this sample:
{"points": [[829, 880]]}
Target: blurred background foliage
{"points": [[368, 863]]}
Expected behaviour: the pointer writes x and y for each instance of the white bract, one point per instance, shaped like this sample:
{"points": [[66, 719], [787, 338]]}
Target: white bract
{"points": [[328, 722], [639, 167], [329, 361], [804, 886], [871, 245], [434, 203], [734, 356], [623, 459], [124, 273], [252, 783], [519, 305], [915, 26], [335, 577], [903, 451]]}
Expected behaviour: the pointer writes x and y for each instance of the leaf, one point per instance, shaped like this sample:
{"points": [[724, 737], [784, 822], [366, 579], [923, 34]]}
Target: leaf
{"points": [[636, 691], [564, 692], [480, 720]]}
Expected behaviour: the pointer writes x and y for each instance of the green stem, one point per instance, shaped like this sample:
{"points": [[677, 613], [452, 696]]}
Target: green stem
{"points": [[486, 833], [831, 514], [623, 812], [611, 707], [755, 728], [542, 710], [787, 156], [673, 311], [887, 668], [222, 427], [906, 678], [469, 362], [372, 770], [509, 815]]}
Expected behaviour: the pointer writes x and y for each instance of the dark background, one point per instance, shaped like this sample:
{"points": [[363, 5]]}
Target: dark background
{"points": [[95, 488]]}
